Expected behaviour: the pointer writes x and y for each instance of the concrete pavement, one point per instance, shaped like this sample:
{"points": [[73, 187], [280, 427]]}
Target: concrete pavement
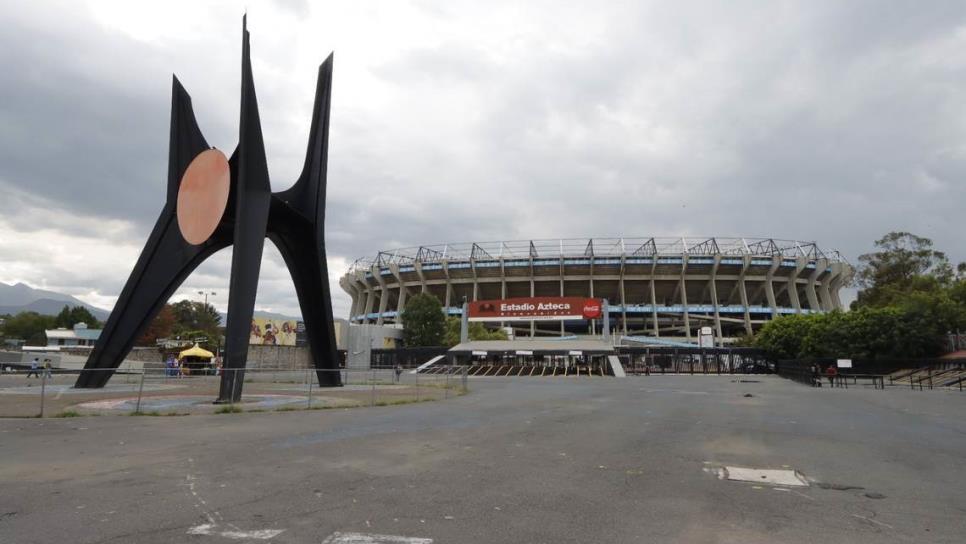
{"points": [[515, 460]]}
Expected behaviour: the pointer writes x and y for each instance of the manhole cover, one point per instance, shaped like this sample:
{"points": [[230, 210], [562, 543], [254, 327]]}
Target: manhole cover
{"points": [[765, 476]]}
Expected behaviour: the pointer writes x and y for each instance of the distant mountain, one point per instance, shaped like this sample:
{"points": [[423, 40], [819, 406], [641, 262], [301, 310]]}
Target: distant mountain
{"points": [[278, 317], [23, 298], [263, 315]]}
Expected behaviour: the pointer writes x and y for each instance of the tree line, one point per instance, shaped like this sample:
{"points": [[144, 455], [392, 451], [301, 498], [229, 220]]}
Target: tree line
{"points": [[185, 319], [30, 326], [910, 296]]}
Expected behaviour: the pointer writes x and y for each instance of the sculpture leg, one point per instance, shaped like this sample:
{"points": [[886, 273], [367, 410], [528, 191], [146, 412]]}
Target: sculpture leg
{"points": [[296, 226], [164, 264], [253, 197], [306, 263]]}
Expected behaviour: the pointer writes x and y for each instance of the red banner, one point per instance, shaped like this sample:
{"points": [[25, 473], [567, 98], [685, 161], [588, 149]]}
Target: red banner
{"points": [[540, 308]]}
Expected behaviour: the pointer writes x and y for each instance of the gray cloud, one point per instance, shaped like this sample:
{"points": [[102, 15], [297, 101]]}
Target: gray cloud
{"points": [[826, 121]]}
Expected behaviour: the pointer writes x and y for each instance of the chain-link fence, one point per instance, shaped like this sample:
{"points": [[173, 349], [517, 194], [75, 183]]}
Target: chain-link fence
{"points": [[175, 391]]}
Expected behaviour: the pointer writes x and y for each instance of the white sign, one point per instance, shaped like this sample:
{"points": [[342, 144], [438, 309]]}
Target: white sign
{"points": [[483, 353], [524, 352], [844, 363], [576, 352], [706, 337]]}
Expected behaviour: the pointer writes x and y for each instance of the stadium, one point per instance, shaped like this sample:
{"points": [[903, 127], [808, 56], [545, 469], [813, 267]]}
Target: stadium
{"points": [[657, 287]]}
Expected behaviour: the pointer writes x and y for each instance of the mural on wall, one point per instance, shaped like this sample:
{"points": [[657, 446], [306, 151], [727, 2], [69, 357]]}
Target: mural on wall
{"points": [[275, 332]]}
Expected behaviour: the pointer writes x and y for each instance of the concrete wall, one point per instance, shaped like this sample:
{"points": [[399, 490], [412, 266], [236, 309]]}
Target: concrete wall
{"points": [[360, 339], [278, 357]]}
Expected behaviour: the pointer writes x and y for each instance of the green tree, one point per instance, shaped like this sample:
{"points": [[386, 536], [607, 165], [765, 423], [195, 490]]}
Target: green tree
{"points": [[782, 338], [195, 316], [29, 326], [70, 316], [866, 333], [903, 263], [476, 331], [423, 321]]}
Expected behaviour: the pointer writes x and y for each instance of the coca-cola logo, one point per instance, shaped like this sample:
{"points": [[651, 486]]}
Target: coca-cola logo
{"points": [[592, 310]]}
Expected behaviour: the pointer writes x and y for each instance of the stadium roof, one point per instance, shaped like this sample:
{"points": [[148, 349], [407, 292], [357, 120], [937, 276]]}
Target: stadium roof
{"points": [[598, 247]]}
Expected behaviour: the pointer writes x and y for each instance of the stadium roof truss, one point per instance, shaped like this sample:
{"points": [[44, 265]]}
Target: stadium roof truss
{"points": [[590, 248]]}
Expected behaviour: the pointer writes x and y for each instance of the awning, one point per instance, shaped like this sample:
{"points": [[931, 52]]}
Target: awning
{"points": [[196, 351]]}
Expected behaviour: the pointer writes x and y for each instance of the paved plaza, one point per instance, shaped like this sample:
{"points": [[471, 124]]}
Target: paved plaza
{"points": [[642, 459]]}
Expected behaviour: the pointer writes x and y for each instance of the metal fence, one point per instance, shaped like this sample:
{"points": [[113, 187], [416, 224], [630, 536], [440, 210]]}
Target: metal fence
{"points": [[913, 373], [173, 392], [404, 357], [671, 360]]}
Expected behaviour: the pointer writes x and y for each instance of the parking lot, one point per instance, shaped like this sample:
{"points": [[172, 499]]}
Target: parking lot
{"points": [[641, 459]]}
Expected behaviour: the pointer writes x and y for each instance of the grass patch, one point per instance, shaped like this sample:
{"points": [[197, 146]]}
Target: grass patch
{"points": [[437, 385], [69, 413], [398, 402], [229, 409], [333, 406], [154, 413], [286, 409], [256, 410]]}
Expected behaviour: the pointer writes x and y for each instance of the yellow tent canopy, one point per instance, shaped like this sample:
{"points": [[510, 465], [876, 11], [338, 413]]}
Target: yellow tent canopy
{"points": [[196, 351]]}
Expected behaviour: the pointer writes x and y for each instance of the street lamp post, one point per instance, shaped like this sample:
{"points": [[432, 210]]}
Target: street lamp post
{"points": [[217, 341], [206, 293]]}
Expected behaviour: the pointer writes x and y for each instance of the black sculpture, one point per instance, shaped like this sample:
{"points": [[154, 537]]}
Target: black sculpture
{"points": [[292, 219]]}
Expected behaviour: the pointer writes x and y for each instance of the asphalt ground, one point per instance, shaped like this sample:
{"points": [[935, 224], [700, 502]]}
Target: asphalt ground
{"points": [[515, 460]]}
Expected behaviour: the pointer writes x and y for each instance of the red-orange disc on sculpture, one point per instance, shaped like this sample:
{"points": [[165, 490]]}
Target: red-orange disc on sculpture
{"points": [[203, 196]]}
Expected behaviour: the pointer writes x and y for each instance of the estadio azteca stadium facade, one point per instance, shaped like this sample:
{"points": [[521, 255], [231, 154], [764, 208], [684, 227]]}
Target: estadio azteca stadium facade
{"points": [[667, 287]]}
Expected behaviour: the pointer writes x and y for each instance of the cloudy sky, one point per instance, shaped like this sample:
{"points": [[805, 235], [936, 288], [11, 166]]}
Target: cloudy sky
{"points": [[456, 121]]}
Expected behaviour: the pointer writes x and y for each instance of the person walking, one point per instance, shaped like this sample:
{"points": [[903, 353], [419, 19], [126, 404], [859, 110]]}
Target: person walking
{"points": [[831, 372], [34, 368], [47, 366], [816, 376], [398, 370]]}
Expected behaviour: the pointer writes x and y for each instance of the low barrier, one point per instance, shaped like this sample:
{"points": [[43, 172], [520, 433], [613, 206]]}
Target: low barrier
{"points": [[172, 392]]}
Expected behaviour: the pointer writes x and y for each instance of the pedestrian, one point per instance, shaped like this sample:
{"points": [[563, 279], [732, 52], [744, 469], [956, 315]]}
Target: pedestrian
{"points": [[816, 376], [831, 372], [398, 371], [34, 366], [47, 373]]}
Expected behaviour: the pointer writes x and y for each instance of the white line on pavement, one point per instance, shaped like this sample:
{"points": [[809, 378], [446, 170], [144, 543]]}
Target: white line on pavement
{"points": [[366, 538]]}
